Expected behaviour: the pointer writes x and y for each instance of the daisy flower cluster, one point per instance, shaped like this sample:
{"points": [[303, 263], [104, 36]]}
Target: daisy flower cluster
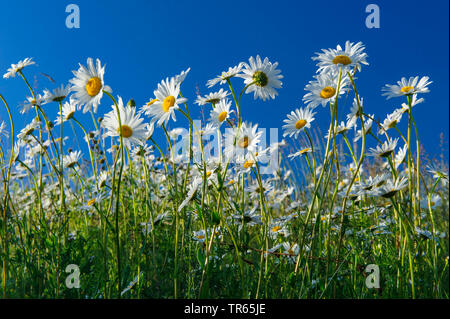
{"points": [[108, 184]]}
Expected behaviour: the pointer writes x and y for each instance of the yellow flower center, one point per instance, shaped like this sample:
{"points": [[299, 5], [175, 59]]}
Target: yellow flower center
{"points": [[260, 78], [168, 103], [406, 89], [432, 204], [93, 86], [248, 164], [342, 59], [304, 150], [327, 92], [243, 142], [200, 237], [151, 102], [300, 124], [223, 116], [231, 182], [291, 252], [91, 202], [276, 228], [208, 174], [126, 131]]}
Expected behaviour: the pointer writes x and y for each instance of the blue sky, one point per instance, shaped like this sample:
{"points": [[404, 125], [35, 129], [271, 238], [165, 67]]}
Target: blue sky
{"points": [[142, 42]]}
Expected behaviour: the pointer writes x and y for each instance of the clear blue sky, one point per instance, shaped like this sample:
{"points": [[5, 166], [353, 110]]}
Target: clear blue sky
{"points": [[142, 42]]}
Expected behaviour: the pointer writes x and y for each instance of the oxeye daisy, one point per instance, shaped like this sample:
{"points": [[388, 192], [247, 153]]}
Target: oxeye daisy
{"points": [[88, 85], [247, 162], [242, 140], [220, 113], [133, 129], [69, 161], [191, 193], [435, 201], [58, 94], [400, 156], [392, 187], [291, 250], [414, 102], [386, 149], [180, 77], [225, 75], [367, 128], [212, 98], [264, 76], [324, 89], [3, 130], [299, 153], [437, 172], [249, 218], [68, 111], [407, 87], [102, 179], [18, 67], [29, 129], [391, 121], [166, 102], [343, 127], [149, 129], [297, 121], [32, 102], [348, 59], [354, 110]]}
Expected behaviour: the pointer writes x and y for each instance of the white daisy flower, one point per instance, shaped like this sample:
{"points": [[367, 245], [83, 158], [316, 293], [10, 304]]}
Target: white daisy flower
{"points": [[323, 89], [246, 162], [344, 126], [242, 140], [32, 102], [384, 150], [3, 130], [400, 156], [180, 77], [435, 201], [149, 129], [225, 75], [102, 179], [265, 78], [297, 121], [367, 128], [133, 129], [291, 249], [414, 102], [391, 121], [354, 110], [166, 102], [348, 59], [18, 67], [407, 87], [389, 189], [437, 172], [68, 111], [249, 218], [29, 129], [58, 94], [192, 190], [212, 98], [72, 159], [220, 113], [299, 153], [88, 85]]}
